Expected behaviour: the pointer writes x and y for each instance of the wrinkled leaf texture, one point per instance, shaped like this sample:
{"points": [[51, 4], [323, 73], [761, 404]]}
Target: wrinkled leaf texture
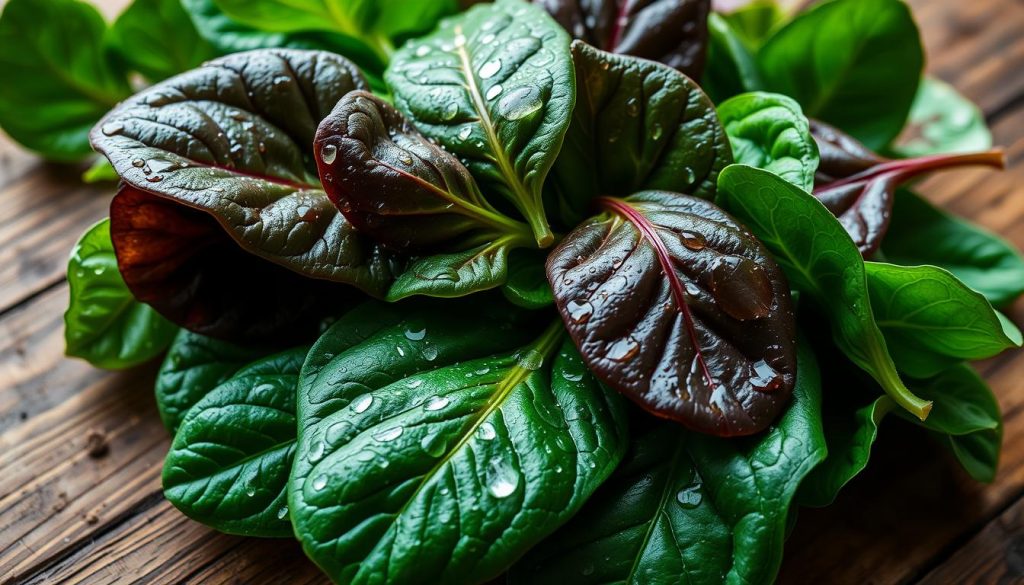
{"points": [[674, 32], [637, 125], [221, 210], [678, 307]]}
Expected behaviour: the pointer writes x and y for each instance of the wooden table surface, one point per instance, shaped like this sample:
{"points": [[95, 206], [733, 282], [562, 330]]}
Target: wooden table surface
{"points": [[67, 516]]}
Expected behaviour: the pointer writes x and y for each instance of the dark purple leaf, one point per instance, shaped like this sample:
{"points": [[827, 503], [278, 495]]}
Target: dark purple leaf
{"points": [[181, 262], [674, 32], [394, 184], [859, 186], [677, 306]]}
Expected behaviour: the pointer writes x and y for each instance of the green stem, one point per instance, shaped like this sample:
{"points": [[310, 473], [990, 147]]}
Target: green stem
{"points": [[885, 372]]}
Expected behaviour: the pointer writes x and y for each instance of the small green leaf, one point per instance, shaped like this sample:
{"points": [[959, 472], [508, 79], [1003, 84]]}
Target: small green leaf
{"points": [[931, 320], [690, 508], [821, 261], [194, 365], [56, 79], [921, 233], [457, 274], [481, 459], [770, 132], [495, 87], [104, 324], [942, 121], [101, 171], [157, 39], [527, 284], [228, 466], [637, 125], [855, 64]]}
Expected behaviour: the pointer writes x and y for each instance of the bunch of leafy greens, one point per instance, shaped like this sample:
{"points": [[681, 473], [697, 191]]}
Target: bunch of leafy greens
{"points": [[434, 271]]}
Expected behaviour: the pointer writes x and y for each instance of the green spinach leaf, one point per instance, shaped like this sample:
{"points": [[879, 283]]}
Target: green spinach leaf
{"points": [[852, 63], [770, 132], [194, 365], [637, 125], [56, 79], [495, 87], [931, 320], [942, 121], [732, 66], [104, 324], [229, 462], [921, 233], [457, 274], [482, 459], [527, 284], [157, 39], [690, 508], [821, 261]]}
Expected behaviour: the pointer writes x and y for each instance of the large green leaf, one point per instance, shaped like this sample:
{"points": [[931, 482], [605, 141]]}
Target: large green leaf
{"points": [[770, 132], [855, 64], [194, 365], [921, 233], [689, 508], [942, 121], [104, 324], [637, 125], [229, 462], [56, 79], [822, 262], [731, 67], [140, 38], [480, 458], [931, 320], [495, 87]]}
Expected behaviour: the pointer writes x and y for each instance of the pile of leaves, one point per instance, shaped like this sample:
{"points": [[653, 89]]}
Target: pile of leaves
{"points": [[450, 292]]}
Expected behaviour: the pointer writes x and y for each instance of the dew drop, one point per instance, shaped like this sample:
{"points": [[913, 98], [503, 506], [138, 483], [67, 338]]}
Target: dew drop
{"points": [[415, 333], [250, 491], [460, 40], [365, 455], [413, 384], [632, 107], [405, 158], [572, 376], [494, 92], [490, 68], [429, 353], [487, 39], [329, 153], [486, 432], [423, 50], [520, 103], [433, 445], [580, 311], [765, 379], [138, 163], [446, 274], [690, 497], [359, 405], [320, 482], [465, 133], [389, 434], [530, 359], [282, 512], [502, 480], [316, 452], [623, 349], [401, 352], [113, 128], [741, 288], [450, 111], [656, 131], [693, 241], [436, 403]]}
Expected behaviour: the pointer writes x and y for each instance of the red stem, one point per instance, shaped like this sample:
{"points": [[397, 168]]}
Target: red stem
{"points": [[619, 26], [907, 169]]}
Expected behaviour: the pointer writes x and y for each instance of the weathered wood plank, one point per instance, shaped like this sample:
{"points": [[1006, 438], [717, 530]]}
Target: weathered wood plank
{"points": [[995, 555]]}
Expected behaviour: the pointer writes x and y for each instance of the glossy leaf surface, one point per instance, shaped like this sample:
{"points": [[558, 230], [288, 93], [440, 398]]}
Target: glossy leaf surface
{"points": [[673, 32], [140, 39], [931, 320], [770, 132], [637, 125], [56, 79], [942, 121], [822, 262], [104, 324], [690, 508], [394, 184], [494, 86], [852, 63], [527, 284], [482, 459], [194, 365], [921, 233], [457, 274], [229, 462], [678, 307], [859, 187]]}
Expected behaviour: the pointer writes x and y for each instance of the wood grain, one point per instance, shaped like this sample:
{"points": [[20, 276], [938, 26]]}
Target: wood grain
{"points": [[70, 517]]}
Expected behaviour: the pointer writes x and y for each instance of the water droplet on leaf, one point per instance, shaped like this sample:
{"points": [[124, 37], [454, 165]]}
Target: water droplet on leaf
{"points": [[329, 153]]}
